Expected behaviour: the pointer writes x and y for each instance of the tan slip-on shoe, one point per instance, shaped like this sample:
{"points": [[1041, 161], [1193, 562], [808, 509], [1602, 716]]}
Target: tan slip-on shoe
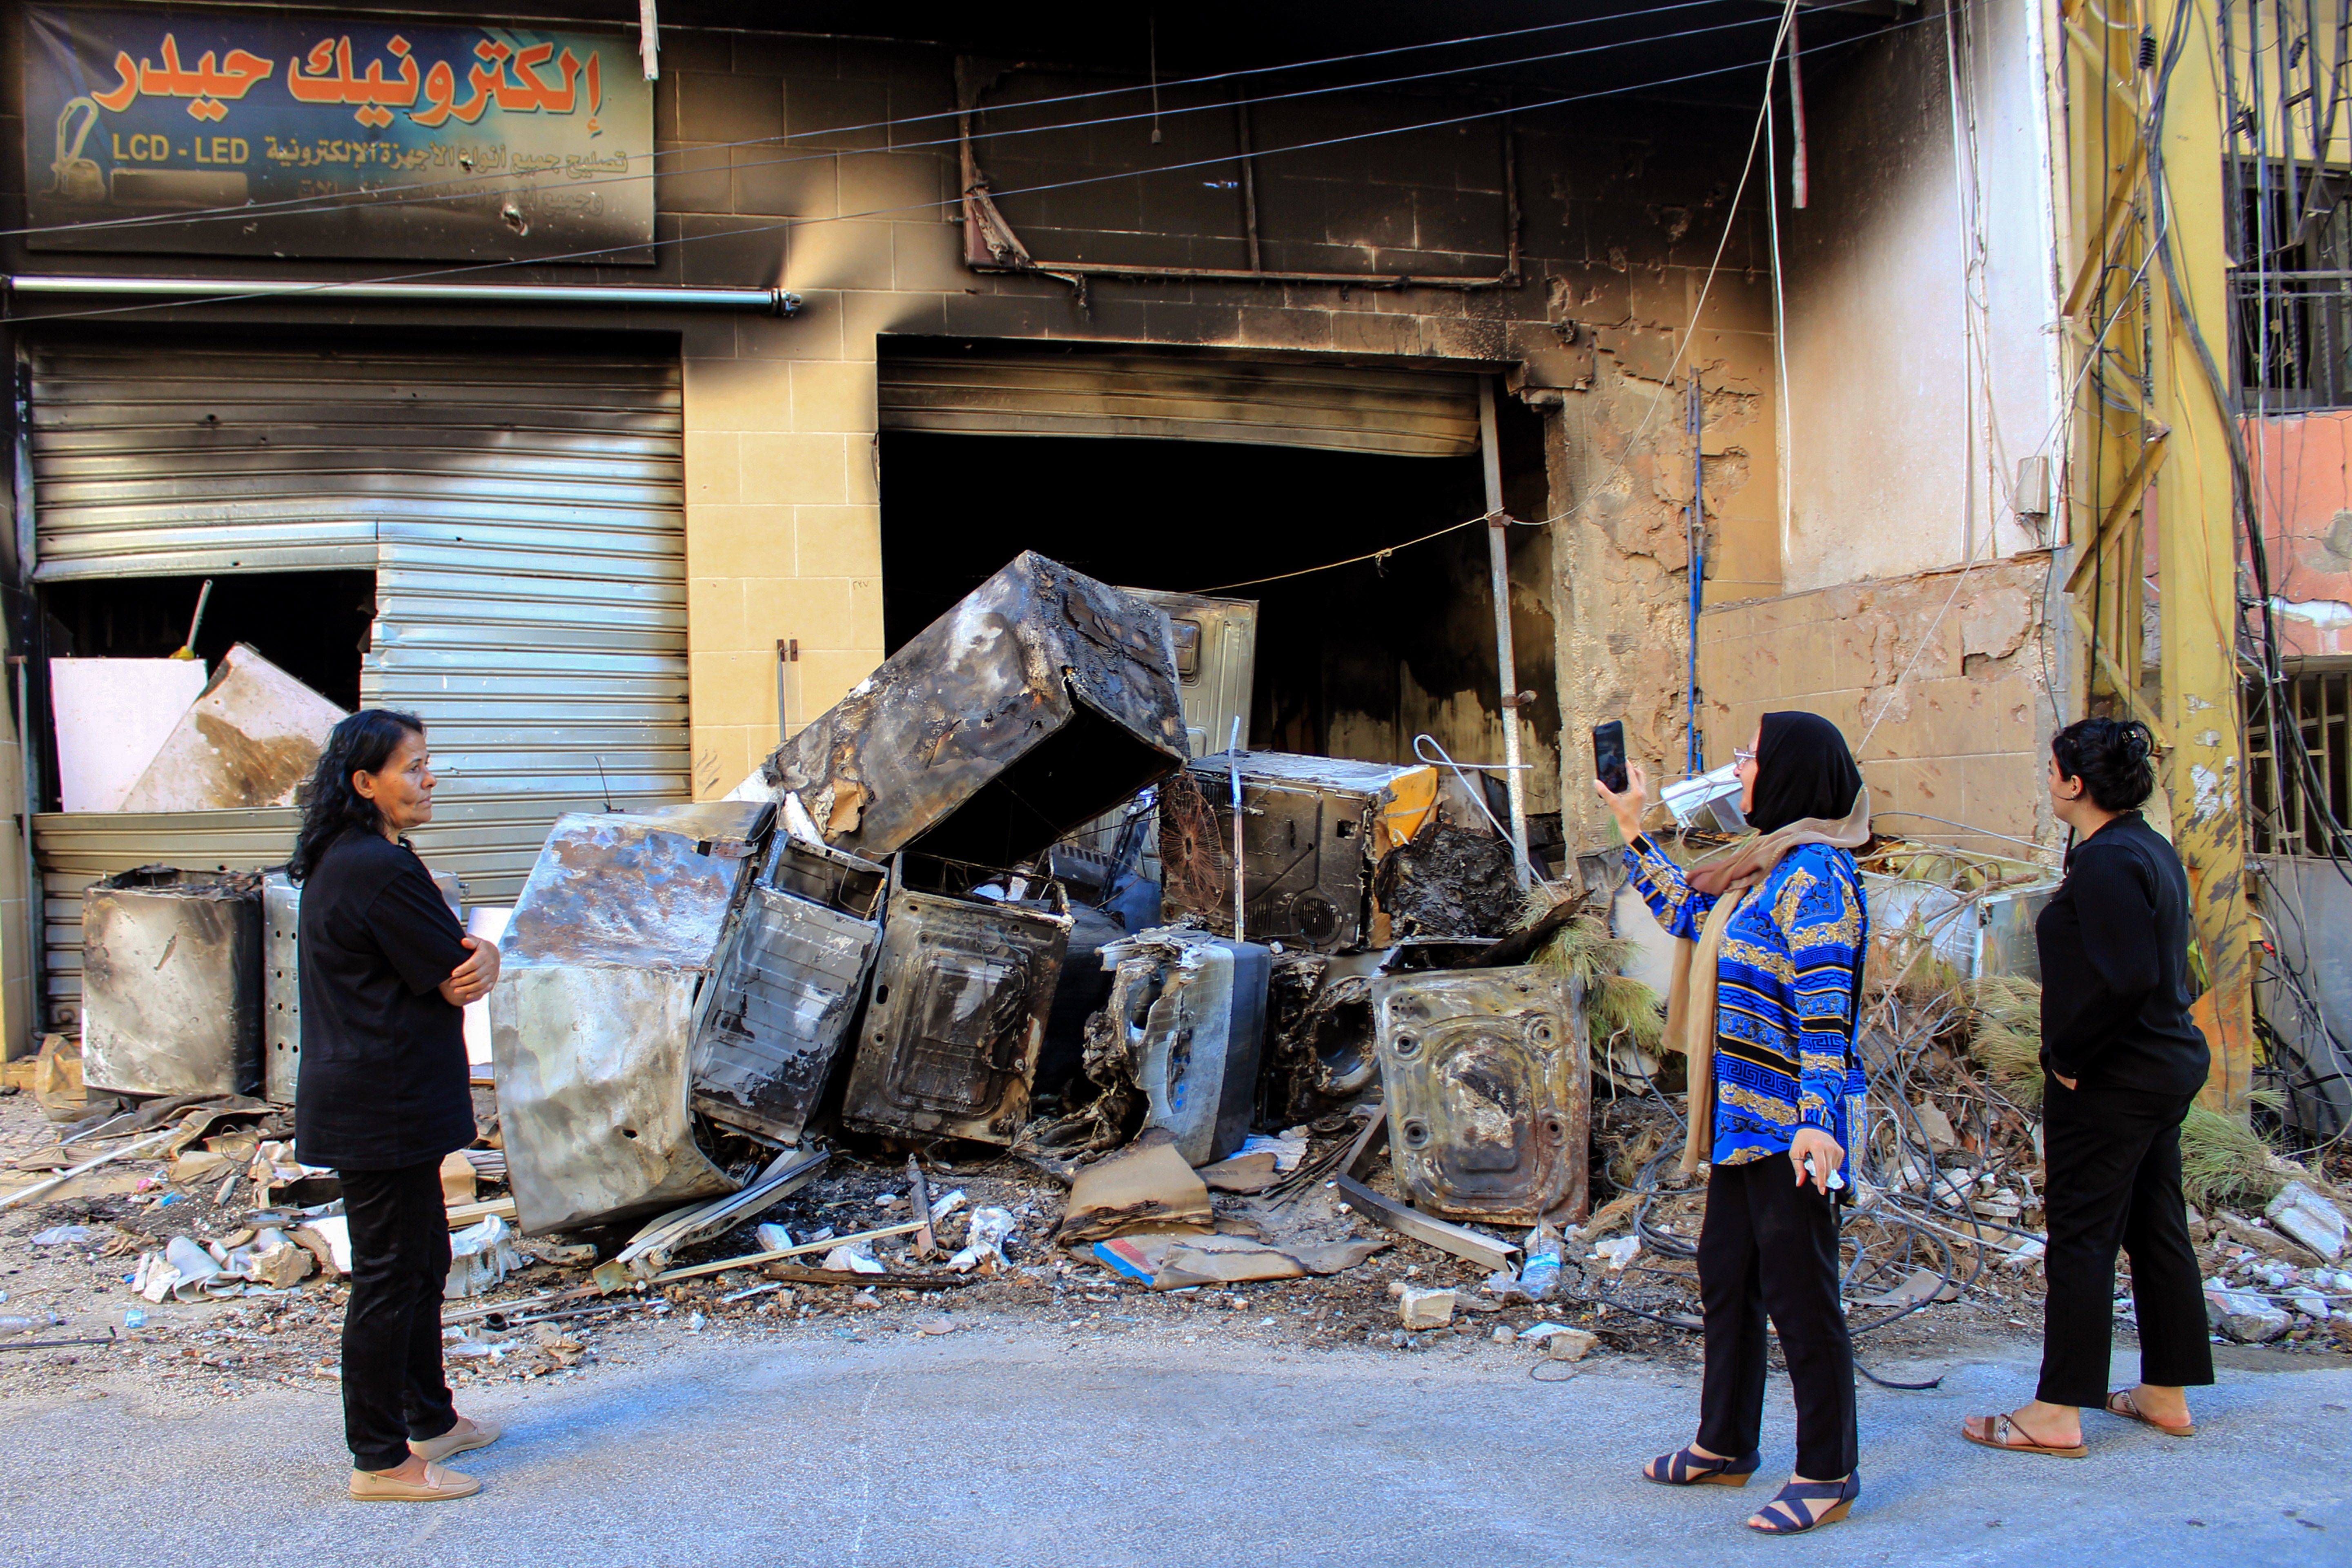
{"points": [[467, 1434], [440, 1486]]}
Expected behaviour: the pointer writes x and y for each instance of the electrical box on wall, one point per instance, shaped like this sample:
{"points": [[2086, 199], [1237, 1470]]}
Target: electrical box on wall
{"points": [[2033, 502]]}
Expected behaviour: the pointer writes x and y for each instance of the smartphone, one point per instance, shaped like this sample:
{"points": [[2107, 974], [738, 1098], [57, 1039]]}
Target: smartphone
{"points": [[1609, 755]]}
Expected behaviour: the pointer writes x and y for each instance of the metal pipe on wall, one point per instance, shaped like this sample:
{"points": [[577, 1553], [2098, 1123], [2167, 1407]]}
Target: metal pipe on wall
{"points": [[1498, 559], [775, 301]]}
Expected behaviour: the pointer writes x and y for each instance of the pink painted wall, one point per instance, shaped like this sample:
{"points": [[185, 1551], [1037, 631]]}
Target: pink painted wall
{"points": [[2303, 469]]}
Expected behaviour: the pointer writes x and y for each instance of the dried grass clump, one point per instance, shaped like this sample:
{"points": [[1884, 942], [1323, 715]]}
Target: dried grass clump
{"points": [[2005, 1034], [2224, 1163], [1619, 1009]]}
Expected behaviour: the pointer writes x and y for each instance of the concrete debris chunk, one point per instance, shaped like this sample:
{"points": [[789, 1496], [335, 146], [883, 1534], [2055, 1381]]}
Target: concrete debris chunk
{"points": [[2245, 1317], [1560, 1342], [2310, 1219], [1420, 1308]]}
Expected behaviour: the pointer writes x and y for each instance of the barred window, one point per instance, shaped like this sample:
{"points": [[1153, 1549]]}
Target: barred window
{"points": [[2297, 806], [2293, 287]]}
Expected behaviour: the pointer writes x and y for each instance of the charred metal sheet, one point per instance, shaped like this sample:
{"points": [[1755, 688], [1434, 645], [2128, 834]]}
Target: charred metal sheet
{"points": [[1336, 854], [1489, 1094], [848, 883], [648, 887], [282, 977], [592, 1023], [952, 1032], [787, 985], [1041, 700], [1193, 1007], [171, 964]]}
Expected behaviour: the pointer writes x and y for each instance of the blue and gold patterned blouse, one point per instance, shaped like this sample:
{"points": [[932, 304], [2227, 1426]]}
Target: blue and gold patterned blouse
{"points": [[1785, 996]]}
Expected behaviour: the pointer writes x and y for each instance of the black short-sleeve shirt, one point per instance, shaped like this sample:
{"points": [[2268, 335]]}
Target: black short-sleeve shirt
{"points": [[383, 1082]]}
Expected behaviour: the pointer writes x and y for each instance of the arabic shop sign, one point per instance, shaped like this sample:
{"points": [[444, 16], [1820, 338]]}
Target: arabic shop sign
{"points": [[214, 132]]}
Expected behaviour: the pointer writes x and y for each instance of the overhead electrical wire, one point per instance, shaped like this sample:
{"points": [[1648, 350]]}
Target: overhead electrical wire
{"points": [[604, 252], [503, 182]]}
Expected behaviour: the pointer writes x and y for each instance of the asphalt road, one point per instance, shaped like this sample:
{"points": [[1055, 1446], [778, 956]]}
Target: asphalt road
{"points": [[1010, 1444]]}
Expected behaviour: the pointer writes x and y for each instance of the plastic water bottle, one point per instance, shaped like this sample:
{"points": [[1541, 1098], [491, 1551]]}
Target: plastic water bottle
{"points": [[1539, 1276]]}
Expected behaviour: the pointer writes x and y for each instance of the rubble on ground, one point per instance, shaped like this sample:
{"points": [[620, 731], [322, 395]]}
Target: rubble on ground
{"points": [[874, 1049]]}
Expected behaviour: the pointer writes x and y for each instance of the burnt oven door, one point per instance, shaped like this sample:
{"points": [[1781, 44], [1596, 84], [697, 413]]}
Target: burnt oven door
{"points": [[1488, 1096], [952, 1032]]}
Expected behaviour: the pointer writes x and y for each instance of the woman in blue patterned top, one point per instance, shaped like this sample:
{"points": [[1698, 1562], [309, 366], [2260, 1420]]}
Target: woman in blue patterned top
{"points": [[1768, 967]]}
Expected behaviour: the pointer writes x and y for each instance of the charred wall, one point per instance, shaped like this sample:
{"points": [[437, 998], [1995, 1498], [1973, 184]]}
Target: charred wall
{"points": [[1622, 203]]}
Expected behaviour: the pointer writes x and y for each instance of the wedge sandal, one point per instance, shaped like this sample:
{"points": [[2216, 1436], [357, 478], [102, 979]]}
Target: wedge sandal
{"points": [[1783, 1516], [439, 1485], [2121, 1403], [1687, 1467], [2000, 1432]]}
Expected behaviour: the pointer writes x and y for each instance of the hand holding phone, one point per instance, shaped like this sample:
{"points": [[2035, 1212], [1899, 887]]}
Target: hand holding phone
{"points": [[1609, 755]]}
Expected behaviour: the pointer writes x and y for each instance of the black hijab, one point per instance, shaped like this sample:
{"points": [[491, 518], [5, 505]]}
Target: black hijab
{"points": [[1802, 769]]}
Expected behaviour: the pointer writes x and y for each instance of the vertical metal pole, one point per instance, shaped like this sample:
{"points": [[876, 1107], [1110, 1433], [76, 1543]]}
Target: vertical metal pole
{"points": [[1697, 421], [1498, 559], [1233, 769]]}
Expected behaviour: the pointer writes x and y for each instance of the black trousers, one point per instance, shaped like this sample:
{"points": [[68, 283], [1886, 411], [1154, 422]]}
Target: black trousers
{"points": [[2113, 1180], [1771, 1246], [392, 1387]]}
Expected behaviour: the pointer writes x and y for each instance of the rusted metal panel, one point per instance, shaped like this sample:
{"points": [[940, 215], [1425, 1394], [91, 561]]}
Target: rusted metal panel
{"points": [[950, 1040], [171, 982], [1336, 854], [1489, 1096], [1193, 1007], [1040, 701], [787, 987], [592, 1023]]}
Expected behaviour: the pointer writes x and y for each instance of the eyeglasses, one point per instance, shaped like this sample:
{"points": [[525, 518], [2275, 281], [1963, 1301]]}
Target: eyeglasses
{"points": [[1742, 756]]}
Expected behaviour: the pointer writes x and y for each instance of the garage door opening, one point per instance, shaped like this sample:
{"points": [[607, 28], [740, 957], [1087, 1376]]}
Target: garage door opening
{"points": [[314, 625], [1353, 662]]}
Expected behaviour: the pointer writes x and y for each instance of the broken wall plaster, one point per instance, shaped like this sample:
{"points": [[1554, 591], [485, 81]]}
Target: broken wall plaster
{"points": [[1945, 674]]}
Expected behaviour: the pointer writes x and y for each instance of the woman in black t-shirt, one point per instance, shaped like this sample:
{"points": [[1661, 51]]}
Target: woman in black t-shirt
{"points": [[383, 1092], [2122, 1062]]}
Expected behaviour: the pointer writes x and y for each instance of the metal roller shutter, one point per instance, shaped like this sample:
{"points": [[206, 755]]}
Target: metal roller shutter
{"points": [[523, 513], [1334, 407]]}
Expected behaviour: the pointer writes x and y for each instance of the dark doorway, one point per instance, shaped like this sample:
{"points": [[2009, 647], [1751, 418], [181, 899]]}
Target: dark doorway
{"points": [[313, 625], [1351, 661]]}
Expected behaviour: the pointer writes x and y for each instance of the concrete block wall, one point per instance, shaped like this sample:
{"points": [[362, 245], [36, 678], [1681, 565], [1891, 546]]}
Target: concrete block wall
{"points": [[782, 500], [1945, 674]]}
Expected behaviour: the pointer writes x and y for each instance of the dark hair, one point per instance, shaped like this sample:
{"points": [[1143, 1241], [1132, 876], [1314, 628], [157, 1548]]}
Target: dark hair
{"points": [[2111, 757], [361, 743]]}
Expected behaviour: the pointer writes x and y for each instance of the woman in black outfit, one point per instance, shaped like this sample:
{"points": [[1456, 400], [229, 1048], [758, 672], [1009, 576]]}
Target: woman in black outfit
{"points": [[383, 1092], [2122, 1064]]}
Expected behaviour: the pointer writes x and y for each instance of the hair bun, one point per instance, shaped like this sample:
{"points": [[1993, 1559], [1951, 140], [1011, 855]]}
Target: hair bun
{"points": [[2139, 742]]}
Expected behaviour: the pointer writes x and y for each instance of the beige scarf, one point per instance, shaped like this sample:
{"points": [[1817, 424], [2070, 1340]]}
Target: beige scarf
{"points": [[1690, 997]]}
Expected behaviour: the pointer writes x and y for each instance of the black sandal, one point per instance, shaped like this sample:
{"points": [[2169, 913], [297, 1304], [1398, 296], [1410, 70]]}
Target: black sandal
{"points": [[1687, 1467], [1782, 1518]]}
